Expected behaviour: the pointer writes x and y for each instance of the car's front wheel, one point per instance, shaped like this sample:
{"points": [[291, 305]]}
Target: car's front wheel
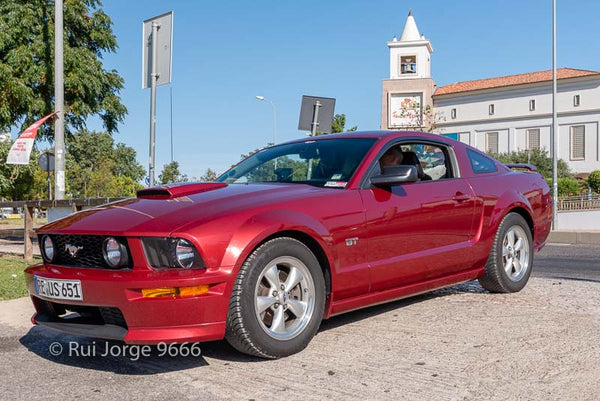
{"points": [[277, 301], [509, 265]]}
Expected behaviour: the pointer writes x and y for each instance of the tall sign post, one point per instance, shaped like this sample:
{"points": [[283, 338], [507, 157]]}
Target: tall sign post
{"points": [[554, 125], [59, 101], [316, 115], [157, 45]]}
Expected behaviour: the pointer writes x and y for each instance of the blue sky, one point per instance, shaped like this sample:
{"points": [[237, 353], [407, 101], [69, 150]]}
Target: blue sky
{"points": [[225, 53]]}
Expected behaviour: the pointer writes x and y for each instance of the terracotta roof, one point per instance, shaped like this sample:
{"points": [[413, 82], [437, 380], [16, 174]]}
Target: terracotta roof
{"points": [[510, 80]]}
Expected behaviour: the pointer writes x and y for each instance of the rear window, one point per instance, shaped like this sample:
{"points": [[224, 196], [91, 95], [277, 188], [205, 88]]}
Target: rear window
{"points": [[480, 163]]}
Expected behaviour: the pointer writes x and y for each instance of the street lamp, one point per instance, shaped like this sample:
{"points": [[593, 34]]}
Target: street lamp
{"points": [[262, 98]]}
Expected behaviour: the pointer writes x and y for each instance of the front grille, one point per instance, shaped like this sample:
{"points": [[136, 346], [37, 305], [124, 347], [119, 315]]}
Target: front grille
{"points": [[89, 250]]}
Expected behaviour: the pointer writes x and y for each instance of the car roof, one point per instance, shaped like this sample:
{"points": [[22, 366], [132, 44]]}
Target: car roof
{"points": [[376, 135]]}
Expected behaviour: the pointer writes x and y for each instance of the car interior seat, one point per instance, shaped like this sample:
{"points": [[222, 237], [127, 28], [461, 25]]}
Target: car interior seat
{"points": [[410, 159]]}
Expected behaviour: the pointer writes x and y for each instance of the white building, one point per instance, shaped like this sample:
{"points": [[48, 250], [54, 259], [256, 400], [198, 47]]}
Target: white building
{"points": [[496, 115]]}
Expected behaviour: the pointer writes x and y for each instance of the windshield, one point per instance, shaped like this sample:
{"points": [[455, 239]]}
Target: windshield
{"points": [[323, 163]]}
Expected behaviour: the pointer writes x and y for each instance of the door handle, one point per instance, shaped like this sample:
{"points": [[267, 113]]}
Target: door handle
{"points": [[460, 197]]}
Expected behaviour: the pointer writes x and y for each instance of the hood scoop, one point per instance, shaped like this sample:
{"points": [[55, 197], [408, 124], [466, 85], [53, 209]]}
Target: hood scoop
{"points": [[177, 190]]}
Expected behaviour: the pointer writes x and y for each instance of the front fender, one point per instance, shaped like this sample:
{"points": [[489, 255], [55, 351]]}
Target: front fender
{"points": [[267, 223]]}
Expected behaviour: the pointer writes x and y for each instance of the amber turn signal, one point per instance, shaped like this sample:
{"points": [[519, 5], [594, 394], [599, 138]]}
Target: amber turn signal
{"points": [[175, 291]]}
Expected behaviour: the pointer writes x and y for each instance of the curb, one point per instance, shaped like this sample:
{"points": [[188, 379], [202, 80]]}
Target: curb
{"points": [[574, 237]]}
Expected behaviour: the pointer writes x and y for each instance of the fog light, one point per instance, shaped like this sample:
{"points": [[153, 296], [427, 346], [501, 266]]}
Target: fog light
{"points": [[175, 291]]}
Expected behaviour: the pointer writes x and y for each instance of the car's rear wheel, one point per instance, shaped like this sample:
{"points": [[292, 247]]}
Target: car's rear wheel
{"points": [[277, 300], [509, 265]]}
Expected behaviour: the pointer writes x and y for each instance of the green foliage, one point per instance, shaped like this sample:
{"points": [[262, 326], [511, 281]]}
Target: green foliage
{"points": [[594, 181], [96, 167], [170, 174], [540, 159], [27, 65], [209, 176], [16, 181], [566, 186], [338, 125]]}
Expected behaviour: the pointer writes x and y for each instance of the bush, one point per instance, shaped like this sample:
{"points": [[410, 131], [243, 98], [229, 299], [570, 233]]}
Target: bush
{"points": [[540, 159], [594, 180], [566, 186]]}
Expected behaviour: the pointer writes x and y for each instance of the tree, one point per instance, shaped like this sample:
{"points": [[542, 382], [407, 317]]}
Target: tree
{"points": [[339, 124], [95, 166], [16, 181], [27, 65], [209, 176], [594, 181], [170, 174], [540, 159]]}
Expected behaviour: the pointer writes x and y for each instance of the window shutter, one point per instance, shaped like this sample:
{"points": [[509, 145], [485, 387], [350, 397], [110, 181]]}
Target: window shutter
{"points": [[578, 142], [533, 139], [492, 142]]}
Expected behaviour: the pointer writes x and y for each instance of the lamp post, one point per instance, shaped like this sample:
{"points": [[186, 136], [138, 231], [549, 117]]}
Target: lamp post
{"points": [[262, 98]]}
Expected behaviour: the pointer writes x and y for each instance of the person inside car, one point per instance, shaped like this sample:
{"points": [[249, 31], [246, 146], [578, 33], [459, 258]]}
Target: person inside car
{"points": [[394, 156]]}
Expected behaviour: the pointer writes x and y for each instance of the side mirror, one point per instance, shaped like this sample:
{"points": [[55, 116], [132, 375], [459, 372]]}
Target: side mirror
{"points": [[394, 175]]}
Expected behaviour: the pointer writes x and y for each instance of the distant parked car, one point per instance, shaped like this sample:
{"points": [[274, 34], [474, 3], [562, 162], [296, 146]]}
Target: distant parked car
{"points": [[293, 234]]}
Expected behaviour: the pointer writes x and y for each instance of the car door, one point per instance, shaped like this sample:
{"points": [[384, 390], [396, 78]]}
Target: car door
{"points": [[419, 231]]}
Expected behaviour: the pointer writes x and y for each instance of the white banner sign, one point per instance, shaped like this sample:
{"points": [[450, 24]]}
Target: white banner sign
{"points": [[21, 149]]}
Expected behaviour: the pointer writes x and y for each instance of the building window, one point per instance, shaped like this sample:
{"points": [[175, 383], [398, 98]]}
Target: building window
{"points": [[408, 64], [453, 113], [491, 142], [533, 139], [532, 105], [491, 109], [576, 100], [577, 143]]}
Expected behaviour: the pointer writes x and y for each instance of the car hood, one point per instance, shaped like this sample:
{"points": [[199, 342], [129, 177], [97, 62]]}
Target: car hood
{"points": [[163, 210]]}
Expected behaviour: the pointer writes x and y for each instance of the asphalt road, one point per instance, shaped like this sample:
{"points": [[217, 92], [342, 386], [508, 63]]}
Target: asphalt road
{"points": [[565, 261]]}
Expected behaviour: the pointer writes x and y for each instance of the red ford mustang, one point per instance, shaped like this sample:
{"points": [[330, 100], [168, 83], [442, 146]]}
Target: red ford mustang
{"points": [[292, 235]]}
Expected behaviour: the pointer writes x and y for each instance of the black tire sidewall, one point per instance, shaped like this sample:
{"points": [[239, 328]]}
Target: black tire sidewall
{"points": [[510, 221], [263, 256]]}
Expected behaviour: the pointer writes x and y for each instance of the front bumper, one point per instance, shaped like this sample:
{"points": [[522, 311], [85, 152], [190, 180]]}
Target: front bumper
{"points": [[113, 306]]}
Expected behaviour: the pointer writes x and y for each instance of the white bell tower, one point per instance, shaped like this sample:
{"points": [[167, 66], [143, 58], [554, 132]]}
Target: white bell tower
{"points": [[410, 57], [406, 102]]}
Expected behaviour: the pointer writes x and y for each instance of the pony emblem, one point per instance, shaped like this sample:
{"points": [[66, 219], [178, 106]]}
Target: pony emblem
{"points": [[72, 249]]}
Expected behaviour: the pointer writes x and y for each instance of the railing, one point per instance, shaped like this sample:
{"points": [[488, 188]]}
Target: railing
{"points": [[29, 206], [579, 203]]}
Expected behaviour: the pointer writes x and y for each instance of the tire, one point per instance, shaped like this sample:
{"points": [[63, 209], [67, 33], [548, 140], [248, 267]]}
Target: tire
{"points": [[265, 321], [509, 265]]}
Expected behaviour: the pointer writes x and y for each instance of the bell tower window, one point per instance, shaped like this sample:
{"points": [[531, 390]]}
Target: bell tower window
{"points": [[408, 65]]}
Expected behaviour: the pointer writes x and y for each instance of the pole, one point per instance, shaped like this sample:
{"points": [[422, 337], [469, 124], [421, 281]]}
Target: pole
{"points": [[313, 132], [48, 175], [314, 124], [154, 76], [171, 93], [59, 100], [554, 125]]}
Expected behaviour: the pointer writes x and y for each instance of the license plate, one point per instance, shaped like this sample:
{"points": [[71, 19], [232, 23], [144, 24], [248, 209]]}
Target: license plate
{"points": [[58, 289]]}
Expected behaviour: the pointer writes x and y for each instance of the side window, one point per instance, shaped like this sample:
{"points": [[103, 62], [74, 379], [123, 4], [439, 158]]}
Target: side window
{"points": [[432, 161], [480, 163]]}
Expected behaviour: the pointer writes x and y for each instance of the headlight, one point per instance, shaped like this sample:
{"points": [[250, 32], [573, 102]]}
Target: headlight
{"points": [[47, 248], [114, 252], [184, 253], [164, 252]]}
